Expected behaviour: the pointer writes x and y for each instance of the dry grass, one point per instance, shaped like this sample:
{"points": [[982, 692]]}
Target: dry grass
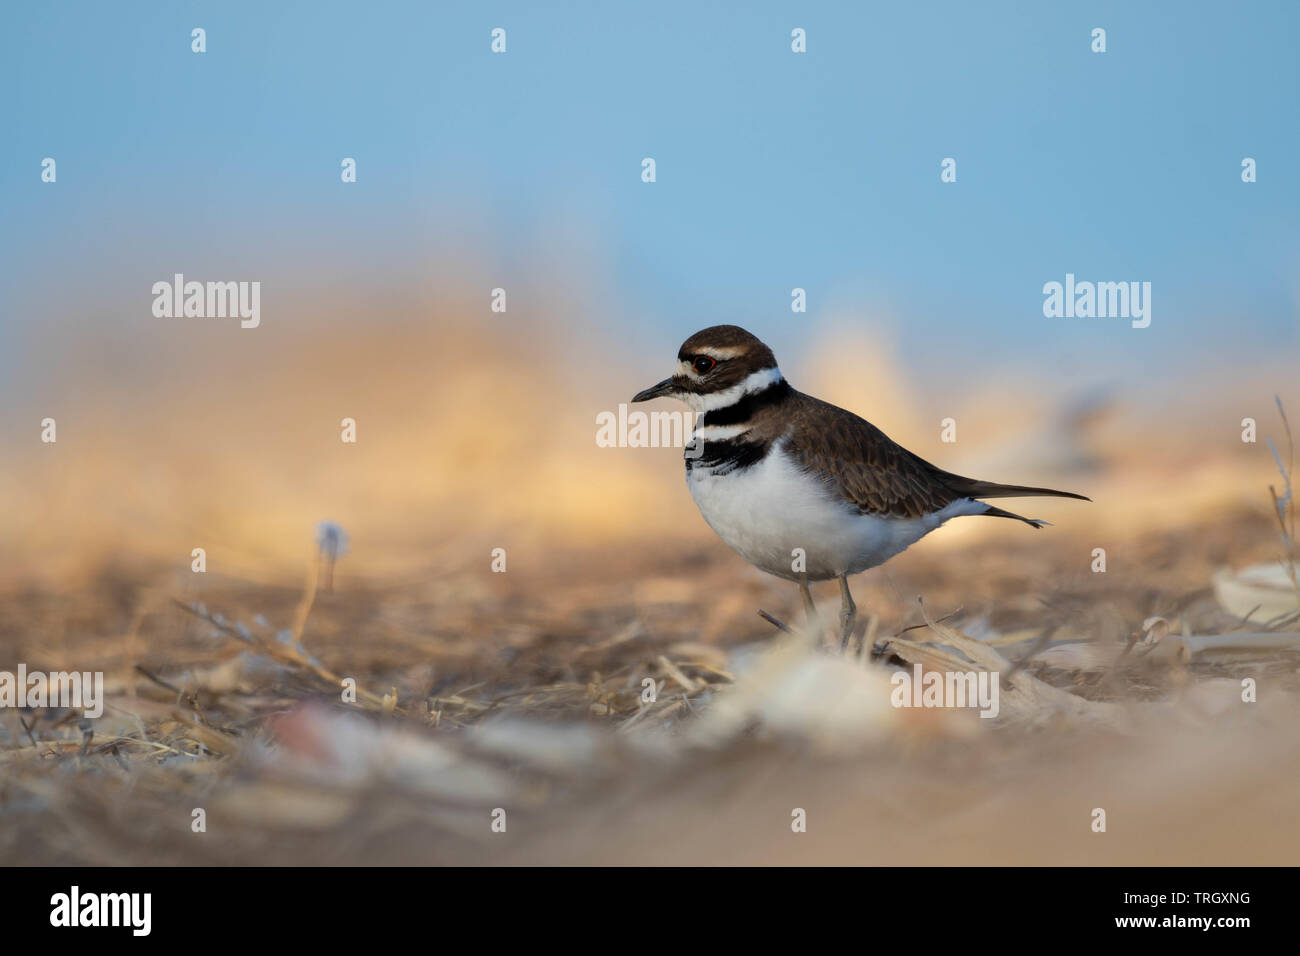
{"points": [[474, 696]]}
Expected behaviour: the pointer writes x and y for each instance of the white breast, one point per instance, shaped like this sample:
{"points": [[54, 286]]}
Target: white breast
{"points": [[766, 511]]}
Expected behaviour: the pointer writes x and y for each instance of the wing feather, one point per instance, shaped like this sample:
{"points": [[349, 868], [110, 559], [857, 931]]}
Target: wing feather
{"points": [[880, 476]]}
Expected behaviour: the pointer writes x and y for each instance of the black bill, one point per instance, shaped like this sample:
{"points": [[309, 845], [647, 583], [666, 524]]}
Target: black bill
{"points": [[655, 391]]}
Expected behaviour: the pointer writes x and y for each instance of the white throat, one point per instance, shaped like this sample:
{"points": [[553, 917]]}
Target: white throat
{"points": [[754, 382]]}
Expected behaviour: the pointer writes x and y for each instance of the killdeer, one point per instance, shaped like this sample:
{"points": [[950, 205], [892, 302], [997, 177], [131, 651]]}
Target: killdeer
{"points": [[774, 470]]}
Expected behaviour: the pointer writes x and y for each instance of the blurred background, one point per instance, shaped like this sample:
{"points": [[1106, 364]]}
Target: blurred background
{"points": [[522, 171]]}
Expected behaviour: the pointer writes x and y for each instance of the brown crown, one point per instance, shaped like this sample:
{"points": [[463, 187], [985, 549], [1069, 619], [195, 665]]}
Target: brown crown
{"points": [[738, 354]]}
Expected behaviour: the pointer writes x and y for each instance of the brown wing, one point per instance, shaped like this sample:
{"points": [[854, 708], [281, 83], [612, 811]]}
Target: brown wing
{"points": [[863, 464]]}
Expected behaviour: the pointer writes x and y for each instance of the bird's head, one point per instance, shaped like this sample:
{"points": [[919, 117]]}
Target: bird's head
{"points": [[715, 367]]}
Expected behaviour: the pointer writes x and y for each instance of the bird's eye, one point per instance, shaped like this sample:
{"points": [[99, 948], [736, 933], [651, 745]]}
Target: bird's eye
{"points": [[703, 364]]}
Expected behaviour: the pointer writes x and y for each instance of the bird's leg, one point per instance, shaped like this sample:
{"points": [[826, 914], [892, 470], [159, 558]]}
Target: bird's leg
{"points": [[809, 608], [848, 611]]}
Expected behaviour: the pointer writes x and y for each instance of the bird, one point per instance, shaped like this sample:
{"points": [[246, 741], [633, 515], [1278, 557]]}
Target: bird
{"points": [[798, 487]]}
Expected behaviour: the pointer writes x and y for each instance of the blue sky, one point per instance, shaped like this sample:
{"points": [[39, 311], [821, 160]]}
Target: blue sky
{"points": [[775, 170]]}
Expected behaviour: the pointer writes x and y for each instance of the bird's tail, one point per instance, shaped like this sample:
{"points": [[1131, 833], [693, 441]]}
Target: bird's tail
{"points": [[970, 488]]}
